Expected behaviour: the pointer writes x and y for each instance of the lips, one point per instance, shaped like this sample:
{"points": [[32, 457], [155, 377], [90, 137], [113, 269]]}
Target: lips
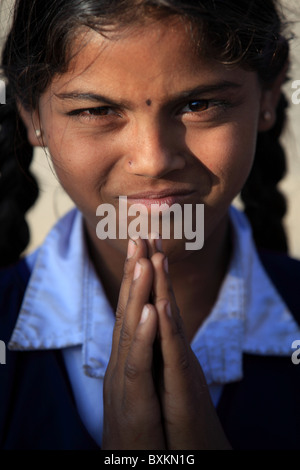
{"points": [[167, 196], [161, 194]]}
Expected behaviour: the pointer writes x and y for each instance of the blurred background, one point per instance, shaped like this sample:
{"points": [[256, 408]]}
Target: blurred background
{"points": [[53, 202]]}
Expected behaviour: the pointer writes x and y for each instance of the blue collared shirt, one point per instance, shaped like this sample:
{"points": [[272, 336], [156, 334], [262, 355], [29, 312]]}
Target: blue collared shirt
{"points": [[65, 307]]}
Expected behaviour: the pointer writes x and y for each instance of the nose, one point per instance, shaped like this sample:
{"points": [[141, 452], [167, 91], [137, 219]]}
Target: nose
{"points": [[155, 150]]}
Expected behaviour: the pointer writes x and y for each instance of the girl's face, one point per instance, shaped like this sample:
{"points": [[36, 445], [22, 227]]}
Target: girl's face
{"points": [[144, 116]]}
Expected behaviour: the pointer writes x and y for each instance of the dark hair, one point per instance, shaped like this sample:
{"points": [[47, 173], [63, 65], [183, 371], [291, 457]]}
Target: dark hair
{"points": [[249, 33], [18, 187], [265, 205]]}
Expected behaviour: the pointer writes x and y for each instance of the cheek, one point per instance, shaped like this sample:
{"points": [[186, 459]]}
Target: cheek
{"points": [[80, 162], [82, 171], [227, 152]]}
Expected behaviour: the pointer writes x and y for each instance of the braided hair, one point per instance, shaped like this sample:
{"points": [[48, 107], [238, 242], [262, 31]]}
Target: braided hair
{"points": [[265, 205], [18, 188]]}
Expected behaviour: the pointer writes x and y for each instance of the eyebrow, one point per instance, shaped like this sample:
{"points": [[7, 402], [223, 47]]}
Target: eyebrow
{"points": [[90, 96], [97, 98]]}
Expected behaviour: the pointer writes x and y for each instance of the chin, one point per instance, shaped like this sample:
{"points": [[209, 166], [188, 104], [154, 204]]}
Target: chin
{"points": [[176, 250]]}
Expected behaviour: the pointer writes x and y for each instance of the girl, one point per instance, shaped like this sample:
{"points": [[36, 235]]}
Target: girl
{"points": [[161, 102]]}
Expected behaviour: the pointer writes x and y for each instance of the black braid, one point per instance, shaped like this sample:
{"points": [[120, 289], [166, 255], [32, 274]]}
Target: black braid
{"points": [[265, 205], [18, 188]]}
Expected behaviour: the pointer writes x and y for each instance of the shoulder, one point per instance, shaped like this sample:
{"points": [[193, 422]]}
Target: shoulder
{"points": [[13, 282], [284, 272], [262, 411], [13, 278], [280, 261]]}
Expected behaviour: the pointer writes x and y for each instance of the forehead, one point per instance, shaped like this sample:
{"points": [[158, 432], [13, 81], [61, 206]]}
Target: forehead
{"points": [[155, 42], [156, 57]]}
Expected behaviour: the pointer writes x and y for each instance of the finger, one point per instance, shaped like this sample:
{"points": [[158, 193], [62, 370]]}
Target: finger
{"points": [[174, 345], [140, 395], [136, 250], [173, 340], [138, 296], [154, 244], [190, 416], [138, 365], [162, 285], [180, 368], [130, 395]]}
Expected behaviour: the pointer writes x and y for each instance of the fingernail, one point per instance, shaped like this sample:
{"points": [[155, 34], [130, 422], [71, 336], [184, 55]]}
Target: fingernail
{"points": [[145, 314], [131, 248], [153, 235], [166, 265], [158, 244], [168, 310], [137, 271], [155, 240]]}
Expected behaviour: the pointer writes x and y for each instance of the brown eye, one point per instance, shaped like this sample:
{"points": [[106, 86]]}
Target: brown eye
{"points": [[210, 107], [99, 111], [198, 105]]}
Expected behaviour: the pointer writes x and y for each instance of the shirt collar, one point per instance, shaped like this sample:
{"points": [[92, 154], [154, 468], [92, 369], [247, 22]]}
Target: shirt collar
{"points": [[249, 315], [78, 312], [64, 304]]}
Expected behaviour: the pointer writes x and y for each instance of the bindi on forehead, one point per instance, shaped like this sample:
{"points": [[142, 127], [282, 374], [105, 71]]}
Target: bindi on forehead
{"points": [[148, 102]]}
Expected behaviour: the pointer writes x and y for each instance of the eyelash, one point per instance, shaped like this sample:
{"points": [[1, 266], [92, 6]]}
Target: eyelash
{"points": [[102, 112], [208, 104]]}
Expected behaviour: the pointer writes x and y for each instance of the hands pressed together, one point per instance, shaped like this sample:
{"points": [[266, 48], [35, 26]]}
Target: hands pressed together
{"points": [[155, 393]]}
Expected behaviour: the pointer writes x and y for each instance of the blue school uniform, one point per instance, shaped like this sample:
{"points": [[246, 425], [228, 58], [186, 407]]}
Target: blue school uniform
{"points": [[59, 336]]}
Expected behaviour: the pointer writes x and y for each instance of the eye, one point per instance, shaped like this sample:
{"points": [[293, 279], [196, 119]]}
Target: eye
{"points": [[93, 113], [204, 110], [196, 106]]}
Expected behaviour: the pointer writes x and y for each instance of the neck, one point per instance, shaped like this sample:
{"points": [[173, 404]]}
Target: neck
{"points": [[203, 272]]}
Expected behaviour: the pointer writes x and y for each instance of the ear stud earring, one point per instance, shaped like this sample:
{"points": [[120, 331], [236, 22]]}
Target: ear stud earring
{"points": [[38, 133], [267, 115]]}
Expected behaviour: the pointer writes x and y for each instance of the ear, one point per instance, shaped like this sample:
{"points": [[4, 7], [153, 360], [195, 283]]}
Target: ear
{"points": [[269, 101], [32, 124]]}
